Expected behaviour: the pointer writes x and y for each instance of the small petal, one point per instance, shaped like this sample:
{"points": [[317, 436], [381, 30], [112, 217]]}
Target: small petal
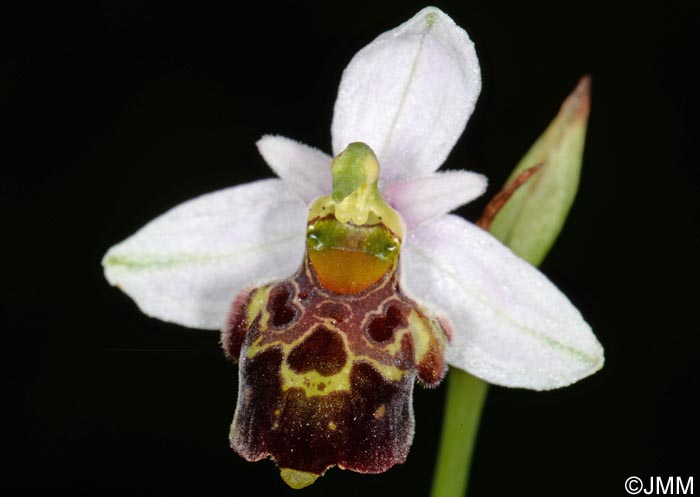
{"points": [[422, 199], [187, 265], [408, 95], [532, 219], [511, 325], [304, 169]]}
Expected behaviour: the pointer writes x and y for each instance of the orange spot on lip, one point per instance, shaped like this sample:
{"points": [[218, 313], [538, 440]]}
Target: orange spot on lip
{"points": [[347, 271]]}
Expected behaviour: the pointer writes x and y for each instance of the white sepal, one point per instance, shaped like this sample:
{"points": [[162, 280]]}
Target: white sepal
{"points": [[187, 265], [511, 325], [409, 94]]}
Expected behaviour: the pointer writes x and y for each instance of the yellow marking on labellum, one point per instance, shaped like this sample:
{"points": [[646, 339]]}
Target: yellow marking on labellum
{"points": [[380, 412], [316, 385], [422, 335], [339, 381], [297, 479], [426, 334], [312, 382], [257, 304], [394, 346], [332, 426]]}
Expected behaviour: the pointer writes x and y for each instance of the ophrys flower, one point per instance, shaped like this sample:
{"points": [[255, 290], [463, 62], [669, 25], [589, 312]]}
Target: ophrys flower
{"points": [[408, 96]]}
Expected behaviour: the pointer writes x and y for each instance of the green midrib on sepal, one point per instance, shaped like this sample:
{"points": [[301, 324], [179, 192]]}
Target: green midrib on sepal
{"points": [[146, 262], [567, 349]]}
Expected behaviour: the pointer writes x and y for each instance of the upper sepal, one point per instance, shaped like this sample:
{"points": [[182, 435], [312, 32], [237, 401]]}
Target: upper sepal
{"points": [[409, 94]]}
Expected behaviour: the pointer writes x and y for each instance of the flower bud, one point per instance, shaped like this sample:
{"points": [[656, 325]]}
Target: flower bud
{"points": [[531, 220]]}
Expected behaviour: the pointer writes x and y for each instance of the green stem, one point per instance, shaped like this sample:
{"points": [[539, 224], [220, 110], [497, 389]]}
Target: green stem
{"points": [[465, 399]]}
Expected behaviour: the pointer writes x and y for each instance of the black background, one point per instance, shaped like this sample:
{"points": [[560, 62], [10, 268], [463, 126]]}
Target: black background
{"points": [[119, 112]]}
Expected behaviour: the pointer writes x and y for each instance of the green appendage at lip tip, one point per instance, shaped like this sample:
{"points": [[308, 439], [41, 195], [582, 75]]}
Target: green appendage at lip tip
{"points": [[298, 479]]}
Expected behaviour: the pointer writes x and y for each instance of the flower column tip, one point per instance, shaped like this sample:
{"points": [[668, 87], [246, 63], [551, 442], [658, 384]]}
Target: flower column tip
{"points": [[355, 197], [355, 174]]}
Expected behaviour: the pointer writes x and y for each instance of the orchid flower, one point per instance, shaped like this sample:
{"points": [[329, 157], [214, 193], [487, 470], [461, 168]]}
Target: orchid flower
{"points": [[329, 329]]}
